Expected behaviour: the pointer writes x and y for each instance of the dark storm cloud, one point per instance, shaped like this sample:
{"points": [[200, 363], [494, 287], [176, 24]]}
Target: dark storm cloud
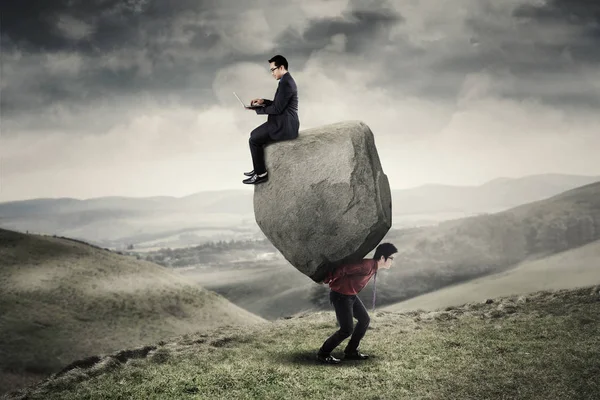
{"points": [[132, 35], [580, 15], [360, 28], [577, 12], [174, 49], [540, 52], [561, 60], [155, 50], [32, 25]]}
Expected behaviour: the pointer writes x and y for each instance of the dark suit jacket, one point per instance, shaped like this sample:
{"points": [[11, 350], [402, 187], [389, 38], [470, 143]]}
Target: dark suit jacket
{"points": [[283, 122]]}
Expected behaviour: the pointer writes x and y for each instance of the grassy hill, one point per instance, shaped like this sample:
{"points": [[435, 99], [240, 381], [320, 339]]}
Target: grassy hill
{"points": [[569, 269], [542, 346], [62, 300], [271, 289]]}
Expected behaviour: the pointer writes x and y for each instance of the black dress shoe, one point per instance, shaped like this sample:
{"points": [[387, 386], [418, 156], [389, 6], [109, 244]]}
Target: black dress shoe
{"points": [[329, 359], [249, 173], [254, 179], [355, 355]]}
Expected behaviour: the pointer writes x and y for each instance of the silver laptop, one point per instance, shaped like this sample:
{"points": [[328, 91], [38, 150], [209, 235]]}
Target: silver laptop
{"points": [[248, 106]]}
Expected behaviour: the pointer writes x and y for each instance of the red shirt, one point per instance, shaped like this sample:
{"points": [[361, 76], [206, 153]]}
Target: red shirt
{"points": [[352, 278]]}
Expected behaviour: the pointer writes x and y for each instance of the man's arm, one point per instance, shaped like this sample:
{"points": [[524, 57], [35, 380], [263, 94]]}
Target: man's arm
{"points": [[280, 102]]}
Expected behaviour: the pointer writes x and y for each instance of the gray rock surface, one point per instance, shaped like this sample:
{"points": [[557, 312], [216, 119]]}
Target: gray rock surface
{"points": [[327, 200]]}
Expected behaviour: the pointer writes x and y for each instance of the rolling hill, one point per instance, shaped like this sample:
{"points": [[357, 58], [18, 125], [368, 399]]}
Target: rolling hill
{"points": [[271, 289], [566, 270], [63, 300], [543, 347]]}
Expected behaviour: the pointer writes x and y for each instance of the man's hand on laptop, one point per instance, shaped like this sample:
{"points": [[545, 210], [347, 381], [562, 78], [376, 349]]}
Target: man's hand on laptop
{"points": [[256, 102]]}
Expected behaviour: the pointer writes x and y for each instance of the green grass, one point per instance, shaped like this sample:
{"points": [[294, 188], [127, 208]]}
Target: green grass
{"points": [[546, 346], [61, 301]]}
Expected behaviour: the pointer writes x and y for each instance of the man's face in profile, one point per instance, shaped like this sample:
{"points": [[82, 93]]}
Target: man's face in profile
{"points": [[277, 72], [386, 264]]}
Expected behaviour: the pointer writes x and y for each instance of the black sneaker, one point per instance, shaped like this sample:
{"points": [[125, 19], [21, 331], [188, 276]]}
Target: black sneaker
{"points": [[328, 359], [254, 179], [355, 355]]}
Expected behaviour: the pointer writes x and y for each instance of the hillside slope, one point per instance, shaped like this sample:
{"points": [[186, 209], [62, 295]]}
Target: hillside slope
{"points": [[62, 300], [431, 258], [566, 270], [544, 346]]}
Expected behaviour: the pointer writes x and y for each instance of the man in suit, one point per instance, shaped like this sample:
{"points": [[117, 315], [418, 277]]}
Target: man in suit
{"points": [[345, 283], [282, 122]]}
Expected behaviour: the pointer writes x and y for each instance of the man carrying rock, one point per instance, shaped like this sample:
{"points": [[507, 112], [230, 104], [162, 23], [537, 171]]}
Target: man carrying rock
{"points": [[282, 122], [345, 283]]}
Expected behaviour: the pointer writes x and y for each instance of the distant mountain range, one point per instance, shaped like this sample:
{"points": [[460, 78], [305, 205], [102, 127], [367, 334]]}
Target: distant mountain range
{"points": [[219, 215], [501, 193]]}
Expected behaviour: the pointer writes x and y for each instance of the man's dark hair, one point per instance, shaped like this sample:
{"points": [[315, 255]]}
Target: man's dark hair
{"points": [[385, 250], [279, 60]]}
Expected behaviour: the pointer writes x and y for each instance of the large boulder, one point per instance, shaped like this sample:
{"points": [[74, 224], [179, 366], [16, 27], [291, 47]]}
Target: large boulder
{"points": [[327, 200]]}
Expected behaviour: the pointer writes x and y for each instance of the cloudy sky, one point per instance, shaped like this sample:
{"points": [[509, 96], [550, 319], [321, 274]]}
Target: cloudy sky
{"points": [[134, 97]]}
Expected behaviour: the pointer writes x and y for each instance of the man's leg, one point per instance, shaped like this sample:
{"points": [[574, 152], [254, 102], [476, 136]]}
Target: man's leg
{"points": [[259, 137], [361, 315], [343, 313]]}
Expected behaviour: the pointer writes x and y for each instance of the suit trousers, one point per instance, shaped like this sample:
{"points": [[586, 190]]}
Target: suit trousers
{"points": [[347, 307], [259, 138]]}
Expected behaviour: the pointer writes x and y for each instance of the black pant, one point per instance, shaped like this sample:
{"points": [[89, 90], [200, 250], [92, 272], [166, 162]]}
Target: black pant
{"points": [[259, 137], [347, 307]]}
